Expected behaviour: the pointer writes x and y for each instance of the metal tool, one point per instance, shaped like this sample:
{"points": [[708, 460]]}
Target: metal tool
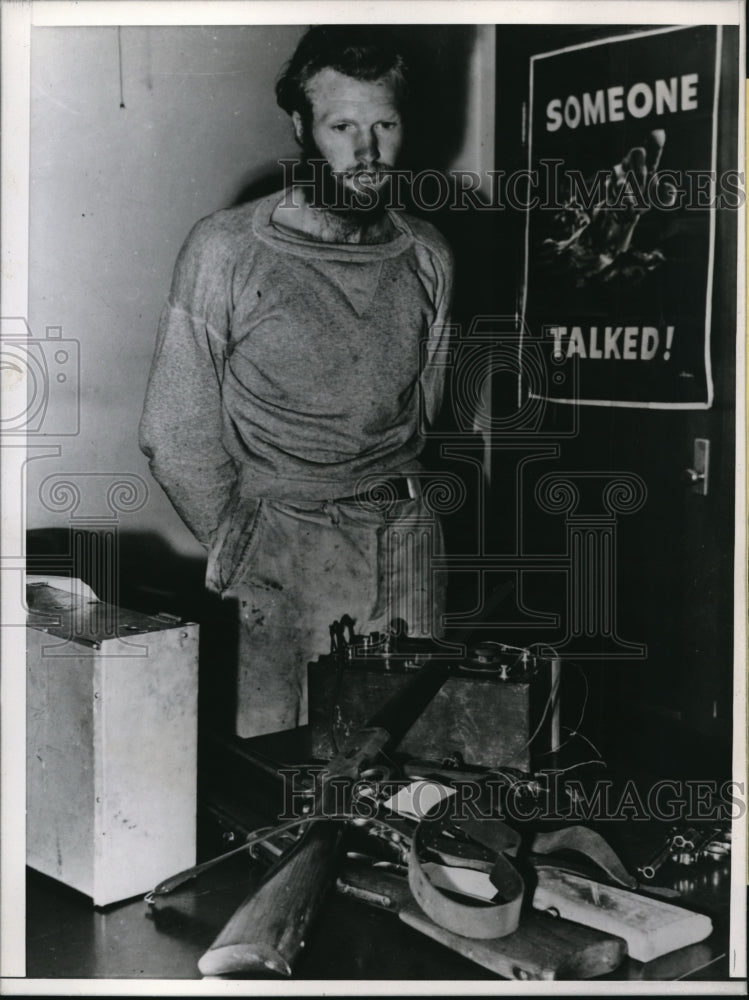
{"points": [[687, 846], [686, 838], [661, 856]]}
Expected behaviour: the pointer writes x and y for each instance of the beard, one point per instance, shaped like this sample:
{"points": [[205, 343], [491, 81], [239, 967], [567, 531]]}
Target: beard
{"points": [[361, 195]]}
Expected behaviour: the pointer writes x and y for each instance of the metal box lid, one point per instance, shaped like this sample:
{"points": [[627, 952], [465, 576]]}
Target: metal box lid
{"points": [[83, 617]]}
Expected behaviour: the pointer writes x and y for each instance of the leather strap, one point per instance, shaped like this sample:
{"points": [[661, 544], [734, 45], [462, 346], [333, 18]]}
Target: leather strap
{"points": [[591, 845], [482, 921], [492, 843]]}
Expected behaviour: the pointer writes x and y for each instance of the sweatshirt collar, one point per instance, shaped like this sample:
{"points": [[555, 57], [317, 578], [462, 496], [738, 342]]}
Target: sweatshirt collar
{"points": [[302, 246]]}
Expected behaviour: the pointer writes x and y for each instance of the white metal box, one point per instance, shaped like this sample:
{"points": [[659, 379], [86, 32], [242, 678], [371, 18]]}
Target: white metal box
{"points": [[111, 745]]}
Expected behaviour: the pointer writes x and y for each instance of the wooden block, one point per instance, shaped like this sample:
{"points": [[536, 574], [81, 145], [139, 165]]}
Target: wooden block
{"points": [[650, 927], [111, 749], [541, 948]]}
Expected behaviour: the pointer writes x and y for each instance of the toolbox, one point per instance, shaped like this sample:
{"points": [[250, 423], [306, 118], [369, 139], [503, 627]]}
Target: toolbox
{"points": [[111, 743], [484, 714]]}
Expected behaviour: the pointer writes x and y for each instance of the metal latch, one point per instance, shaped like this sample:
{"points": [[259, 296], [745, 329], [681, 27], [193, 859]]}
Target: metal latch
{"points": [[698, 474]]}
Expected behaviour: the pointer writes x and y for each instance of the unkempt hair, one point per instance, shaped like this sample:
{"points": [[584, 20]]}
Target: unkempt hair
{"points": [[364, 52]]}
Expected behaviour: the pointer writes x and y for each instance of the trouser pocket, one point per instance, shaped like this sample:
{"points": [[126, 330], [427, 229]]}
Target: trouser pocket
{"points": [[236, 544]]}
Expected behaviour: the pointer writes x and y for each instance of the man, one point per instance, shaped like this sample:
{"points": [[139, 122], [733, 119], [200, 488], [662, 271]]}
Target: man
{"points": [[286, 382]]}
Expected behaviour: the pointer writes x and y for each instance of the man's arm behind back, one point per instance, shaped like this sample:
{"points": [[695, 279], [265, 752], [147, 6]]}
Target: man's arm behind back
{"points": [[181, 426]]}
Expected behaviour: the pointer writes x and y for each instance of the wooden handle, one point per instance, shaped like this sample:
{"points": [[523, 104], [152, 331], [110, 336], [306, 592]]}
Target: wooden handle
{"points": [[270, 928], [541, 948]]}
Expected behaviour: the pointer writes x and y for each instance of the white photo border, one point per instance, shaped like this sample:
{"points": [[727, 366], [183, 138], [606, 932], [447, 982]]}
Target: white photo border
{"points": [[19, 18]]}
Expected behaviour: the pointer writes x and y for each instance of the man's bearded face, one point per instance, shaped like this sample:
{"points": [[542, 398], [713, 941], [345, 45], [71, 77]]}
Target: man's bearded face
{"points": [[357, 130]]}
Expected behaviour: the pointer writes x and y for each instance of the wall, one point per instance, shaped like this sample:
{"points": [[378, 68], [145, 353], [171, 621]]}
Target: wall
{"points": [[114, 191]]}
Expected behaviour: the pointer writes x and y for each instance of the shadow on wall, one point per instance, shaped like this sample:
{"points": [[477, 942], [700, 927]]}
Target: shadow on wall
{"points": [[136, 570], [440, 57], [140, 571]]}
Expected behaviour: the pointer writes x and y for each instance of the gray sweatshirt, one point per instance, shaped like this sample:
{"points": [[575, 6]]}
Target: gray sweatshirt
{"points": [[290, 368]]}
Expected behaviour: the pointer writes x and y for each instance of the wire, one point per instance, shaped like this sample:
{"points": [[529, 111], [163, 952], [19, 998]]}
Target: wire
{"points": [[168, 886], [551, 700], [502, 645], [544, 649], [513, 782], [582, 763], [119, 59], [543, 646], [585, 697], [574, 732]]}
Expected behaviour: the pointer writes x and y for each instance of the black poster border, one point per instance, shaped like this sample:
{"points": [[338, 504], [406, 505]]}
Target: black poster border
{"points": [[631, 404]]}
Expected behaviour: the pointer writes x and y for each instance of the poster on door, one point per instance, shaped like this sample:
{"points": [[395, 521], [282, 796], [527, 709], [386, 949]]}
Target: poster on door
{"points": [[621, 213]]}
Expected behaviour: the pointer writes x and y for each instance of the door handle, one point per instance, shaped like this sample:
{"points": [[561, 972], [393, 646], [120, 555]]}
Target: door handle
{"points": [[697, 476]]}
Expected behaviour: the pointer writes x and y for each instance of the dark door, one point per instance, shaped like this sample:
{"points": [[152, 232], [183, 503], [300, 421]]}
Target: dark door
{"points": [[669, 557]]}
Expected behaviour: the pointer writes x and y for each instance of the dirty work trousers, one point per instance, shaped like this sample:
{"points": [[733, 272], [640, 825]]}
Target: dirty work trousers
{"points": [[291, 569]]}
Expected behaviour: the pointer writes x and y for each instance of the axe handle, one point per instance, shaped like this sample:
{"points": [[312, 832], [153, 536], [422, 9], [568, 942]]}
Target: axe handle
{"points": [[268, 931]]}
